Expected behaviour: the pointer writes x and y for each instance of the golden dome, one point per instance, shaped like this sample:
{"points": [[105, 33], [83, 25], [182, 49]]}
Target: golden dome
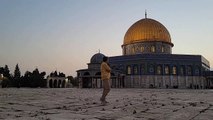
{"points": [[146, 30]]}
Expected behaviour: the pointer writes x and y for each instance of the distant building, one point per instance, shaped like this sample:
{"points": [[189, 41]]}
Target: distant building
{"points": [[55, 80], [148, 62], [209, 78]]}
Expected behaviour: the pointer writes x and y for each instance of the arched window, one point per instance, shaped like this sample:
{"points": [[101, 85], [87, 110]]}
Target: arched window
{"points": [[86, 74], [135, 70], [153, 49], [142, 69], [129, 70], [162, 49], [151, 69], [197, 70], [182, 70], [189, 70], [59, 84], [55, 83], [174, 70], [159, 70], [166, 70], [142, 48], [133, 50], [137, 49]]}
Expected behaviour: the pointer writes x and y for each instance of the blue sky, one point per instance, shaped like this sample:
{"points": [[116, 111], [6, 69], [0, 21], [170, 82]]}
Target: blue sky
{"points": [[64, 34]]}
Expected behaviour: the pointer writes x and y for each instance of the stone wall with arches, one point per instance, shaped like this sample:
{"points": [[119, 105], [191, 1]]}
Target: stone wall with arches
{"points": [[57, 82]]}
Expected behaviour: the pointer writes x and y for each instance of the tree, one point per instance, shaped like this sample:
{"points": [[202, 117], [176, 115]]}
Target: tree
{"points": [[17, 76], [61, 74], [37, 79], [56, 74], [43, 81], [6, 72], [6, 82], [8, 76], [17, 73], [25, 80]]}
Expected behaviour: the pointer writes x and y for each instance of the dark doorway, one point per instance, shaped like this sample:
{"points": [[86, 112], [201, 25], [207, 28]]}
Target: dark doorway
{"points": [[87, 83], [55, 84], [59, 83], [63, 84]]}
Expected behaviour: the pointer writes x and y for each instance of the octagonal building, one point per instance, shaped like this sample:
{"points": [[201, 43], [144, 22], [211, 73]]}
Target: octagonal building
{"points": [[147, 62]]}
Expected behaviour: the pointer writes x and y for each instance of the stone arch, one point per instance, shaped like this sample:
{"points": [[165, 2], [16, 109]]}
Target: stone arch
{"points": [[143, 69], [189, 70], [129, 70], [142, 49], [197, 70], [55, 83], [59, 84], [167, 70], [153, 49], [162, 49], [174, 70], [151, 68], [135, 69], [159, 70], [182, 70], [86, 80], [133, 50], [86, 74]]}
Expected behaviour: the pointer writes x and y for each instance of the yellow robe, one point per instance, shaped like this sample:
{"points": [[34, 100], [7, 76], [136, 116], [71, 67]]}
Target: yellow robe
{"points": [[105, 71]]}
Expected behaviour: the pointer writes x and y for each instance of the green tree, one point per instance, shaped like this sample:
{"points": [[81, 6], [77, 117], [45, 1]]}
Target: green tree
{"points": [[17, 76], [61, 74], [25, 80], [43, 81], [6, 82], [17, 73], [8, 76], [6, 72], [37, 79]]}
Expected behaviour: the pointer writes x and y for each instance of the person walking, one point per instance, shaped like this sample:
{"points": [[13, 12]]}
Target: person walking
{"points": [[105, 77]]}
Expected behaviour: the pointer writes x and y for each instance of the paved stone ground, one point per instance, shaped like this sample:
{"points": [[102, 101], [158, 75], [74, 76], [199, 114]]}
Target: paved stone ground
{"points": [[125, 104]]}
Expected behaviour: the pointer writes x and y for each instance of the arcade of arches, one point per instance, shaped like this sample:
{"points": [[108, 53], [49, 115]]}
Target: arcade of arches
{"points": [[57, 82], [94, 81]]}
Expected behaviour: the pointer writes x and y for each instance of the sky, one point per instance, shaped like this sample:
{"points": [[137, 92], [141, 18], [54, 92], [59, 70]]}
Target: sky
{"points": [[63, 35]]}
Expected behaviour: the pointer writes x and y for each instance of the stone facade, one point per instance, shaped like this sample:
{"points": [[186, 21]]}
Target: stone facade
{"points": [[57, 82], [148, 62]]}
